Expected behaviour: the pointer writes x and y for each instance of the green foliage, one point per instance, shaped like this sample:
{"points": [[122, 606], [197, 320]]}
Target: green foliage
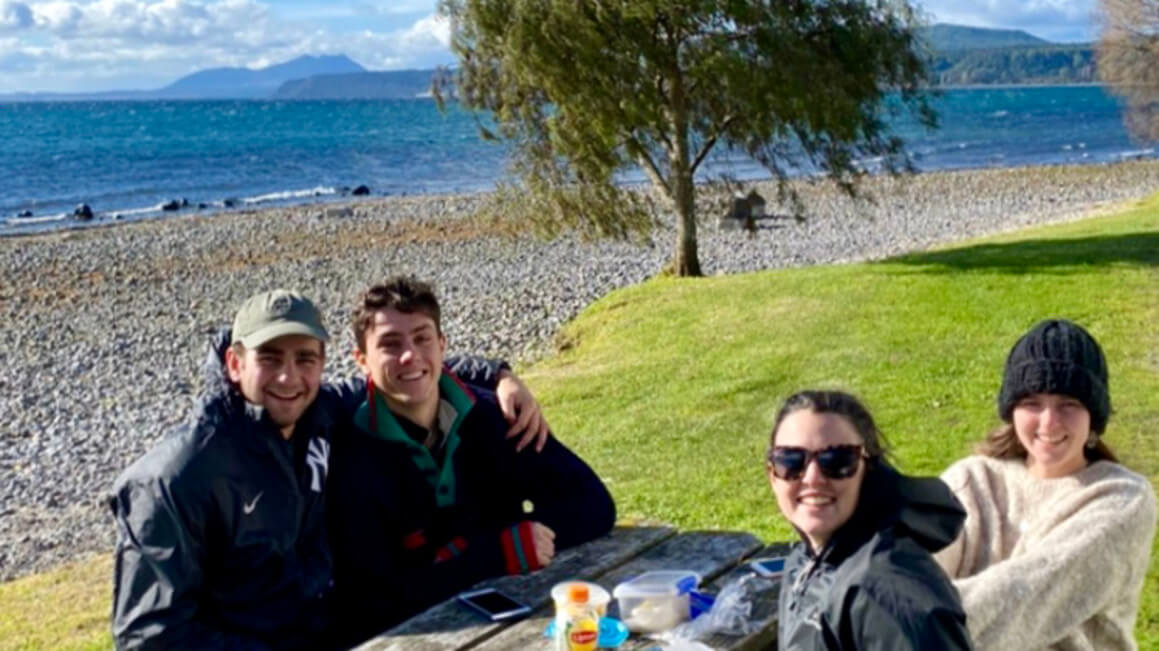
{"points": [[1129, 61], [1053, 64], [585, 90]]}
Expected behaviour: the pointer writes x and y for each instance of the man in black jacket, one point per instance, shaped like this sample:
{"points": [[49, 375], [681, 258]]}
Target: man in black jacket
{"points": [[427, 498], [222, 539]]}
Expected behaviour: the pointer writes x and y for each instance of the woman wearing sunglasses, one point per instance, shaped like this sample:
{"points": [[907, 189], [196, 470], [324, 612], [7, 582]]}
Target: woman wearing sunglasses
{"points": [[862, 576], [1058, 533]]}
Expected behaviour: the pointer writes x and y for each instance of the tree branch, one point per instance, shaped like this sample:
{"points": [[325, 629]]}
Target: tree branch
{"points": [[708, 144], [653, 172]]}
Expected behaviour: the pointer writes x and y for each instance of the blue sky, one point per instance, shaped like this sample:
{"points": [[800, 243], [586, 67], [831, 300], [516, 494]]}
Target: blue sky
{"points": [[88, 45]]}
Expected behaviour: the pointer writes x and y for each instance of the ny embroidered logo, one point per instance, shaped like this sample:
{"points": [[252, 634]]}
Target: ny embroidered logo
{"points": [[318, 458]]}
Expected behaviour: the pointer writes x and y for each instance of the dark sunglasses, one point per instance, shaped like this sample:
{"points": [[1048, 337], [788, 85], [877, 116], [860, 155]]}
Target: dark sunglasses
{"points": [[836, 462]]}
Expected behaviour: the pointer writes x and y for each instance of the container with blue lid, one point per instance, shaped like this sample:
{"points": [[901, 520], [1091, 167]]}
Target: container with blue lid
{"points": [[656, 601]]}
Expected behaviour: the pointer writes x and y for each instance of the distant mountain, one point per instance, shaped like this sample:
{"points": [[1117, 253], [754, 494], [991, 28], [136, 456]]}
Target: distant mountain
{"points": [[392, 84], [961, 55], [244, 82], [966, 56], [214, 83], [1049, 64], [945, 37]]}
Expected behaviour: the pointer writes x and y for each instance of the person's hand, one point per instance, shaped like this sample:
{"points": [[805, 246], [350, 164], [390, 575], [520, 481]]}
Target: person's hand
{"points": [[544, 539], [522, 412]]}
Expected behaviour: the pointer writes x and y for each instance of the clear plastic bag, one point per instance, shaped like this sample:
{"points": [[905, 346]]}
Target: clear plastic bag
{"points": [[732, 613]]}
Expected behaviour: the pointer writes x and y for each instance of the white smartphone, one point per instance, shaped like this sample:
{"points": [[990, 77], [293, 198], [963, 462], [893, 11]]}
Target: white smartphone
{"points": [[769, 567], [493, 605]]}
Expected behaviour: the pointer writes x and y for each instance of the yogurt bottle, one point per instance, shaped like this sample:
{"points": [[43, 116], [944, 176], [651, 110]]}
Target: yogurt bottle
{"points": [[577, 622]]}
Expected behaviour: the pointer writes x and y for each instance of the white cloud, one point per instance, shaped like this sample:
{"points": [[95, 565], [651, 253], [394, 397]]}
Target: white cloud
{"points": [[61, 18], [430, 33], [15, 15], [149, 21], [395, 7], [85, 45]]}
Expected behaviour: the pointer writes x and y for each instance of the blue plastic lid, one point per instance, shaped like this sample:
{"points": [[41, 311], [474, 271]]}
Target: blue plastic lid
{"points": [[658, 583]]}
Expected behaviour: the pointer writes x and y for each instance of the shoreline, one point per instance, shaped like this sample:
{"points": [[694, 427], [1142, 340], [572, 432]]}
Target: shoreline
{"points": [[104, 328], [324, 198]]}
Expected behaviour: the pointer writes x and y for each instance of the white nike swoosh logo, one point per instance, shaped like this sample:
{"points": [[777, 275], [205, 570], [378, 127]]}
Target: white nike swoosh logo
{"points": [[248, 507]]}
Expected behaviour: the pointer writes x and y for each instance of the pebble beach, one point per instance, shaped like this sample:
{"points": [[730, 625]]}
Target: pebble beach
{"points": [[103, 329]]}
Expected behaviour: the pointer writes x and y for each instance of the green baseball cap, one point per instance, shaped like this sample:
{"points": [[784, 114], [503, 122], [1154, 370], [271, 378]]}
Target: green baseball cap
{"points": [[274, 314]]}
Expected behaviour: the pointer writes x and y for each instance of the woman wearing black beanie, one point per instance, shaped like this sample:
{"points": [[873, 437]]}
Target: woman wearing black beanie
{"points": [[1058, 534]]}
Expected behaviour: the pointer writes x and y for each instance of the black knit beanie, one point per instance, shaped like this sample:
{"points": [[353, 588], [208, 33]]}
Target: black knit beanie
{"points": [[1057, 356]]}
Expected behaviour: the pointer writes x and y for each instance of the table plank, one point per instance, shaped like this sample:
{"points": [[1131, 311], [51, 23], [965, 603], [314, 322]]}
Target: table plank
{"points": [[448, 626], [707, 553], [764, 610]]}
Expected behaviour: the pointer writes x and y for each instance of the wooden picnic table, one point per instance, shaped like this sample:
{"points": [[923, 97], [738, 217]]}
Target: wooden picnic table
{"points": [[717, 556]]}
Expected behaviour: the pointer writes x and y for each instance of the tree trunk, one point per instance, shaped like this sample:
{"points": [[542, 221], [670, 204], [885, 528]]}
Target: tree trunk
{"points": [[685, 261]]}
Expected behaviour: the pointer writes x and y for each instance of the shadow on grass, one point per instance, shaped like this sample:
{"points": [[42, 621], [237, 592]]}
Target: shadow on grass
{"points": [[1060, 256]]}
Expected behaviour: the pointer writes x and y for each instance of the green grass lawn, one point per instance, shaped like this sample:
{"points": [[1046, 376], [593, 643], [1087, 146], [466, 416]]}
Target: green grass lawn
{"points": [[669, 388]]}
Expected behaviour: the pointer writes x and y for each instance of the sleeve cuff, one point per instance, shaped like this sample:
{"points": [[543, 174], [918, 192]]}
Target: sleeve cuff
{"points": [[518, 546]]}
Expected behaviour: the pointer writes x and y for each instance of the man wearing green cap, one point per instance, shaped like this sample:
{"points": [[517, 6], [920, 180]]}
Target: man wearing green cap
{"points": [[222, 542]]}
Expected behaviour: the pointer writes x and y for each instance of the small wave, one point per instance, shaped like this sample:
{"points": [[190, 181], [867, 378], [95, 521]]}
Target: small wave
{"points": [[290, 194], [1136, 153], [43, 219], [135, 211], [999, 114]]}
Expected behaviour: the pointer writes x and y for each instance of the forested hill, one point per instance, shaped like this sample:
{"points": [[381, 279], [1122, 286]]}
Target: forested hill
{"points": [[944, 37], [976, 55]]}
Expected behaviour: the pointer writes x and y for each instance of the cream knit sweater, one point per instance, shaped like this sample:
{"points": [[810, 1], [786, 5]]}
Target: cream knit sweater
{"points": [[1050, 563]]}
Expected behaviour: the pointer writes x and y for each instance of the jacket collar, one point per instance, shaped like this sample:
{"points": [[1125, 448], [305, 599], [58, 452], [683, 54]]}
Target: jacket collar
{"points": [[228, 401], [455, 402]]}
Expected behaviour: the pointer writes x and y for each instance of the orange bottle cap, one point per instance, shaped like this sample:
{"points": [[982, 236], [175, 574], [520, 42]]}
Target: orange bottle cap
{"points": [[577, 593]]}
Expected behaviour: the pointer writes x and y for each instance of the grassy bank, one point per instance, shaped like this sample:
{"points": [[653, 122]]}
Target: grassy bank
{"points": [[668, 388]]}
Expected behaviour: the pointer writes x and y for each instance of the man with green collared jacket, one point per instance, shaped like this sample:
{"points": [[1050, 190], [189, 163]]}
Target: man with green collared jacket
{"points": [[429, 498]]}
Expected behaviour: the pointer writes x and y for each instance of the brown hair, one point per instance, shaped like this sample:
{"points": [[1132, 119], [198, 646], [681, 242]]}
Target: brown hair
{"points": [[402, 293], [1003, 443], [842, 404]]}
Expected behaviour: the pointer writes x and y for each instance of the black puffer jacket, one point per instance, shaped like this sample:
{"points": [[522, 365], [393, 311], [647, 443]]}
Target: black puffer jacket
{"points": [[875, 584]]}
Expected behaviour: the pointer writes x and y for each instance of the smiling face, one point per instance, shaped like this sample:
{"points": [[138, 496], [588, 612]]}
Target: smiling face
{"points": [[404, 357], [815, 504], [1053, 428], [281, 375]]}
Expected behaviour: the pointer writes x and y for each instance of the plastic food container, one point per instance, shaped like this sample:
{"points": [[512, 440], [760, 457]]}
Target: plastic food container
{"points": [[655, 601], [597, 596]]}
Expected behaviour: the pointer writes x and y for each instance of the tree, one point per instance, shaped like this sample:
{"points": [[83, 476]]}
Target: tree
{"points": [[1128, 60], [586, 89]]}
